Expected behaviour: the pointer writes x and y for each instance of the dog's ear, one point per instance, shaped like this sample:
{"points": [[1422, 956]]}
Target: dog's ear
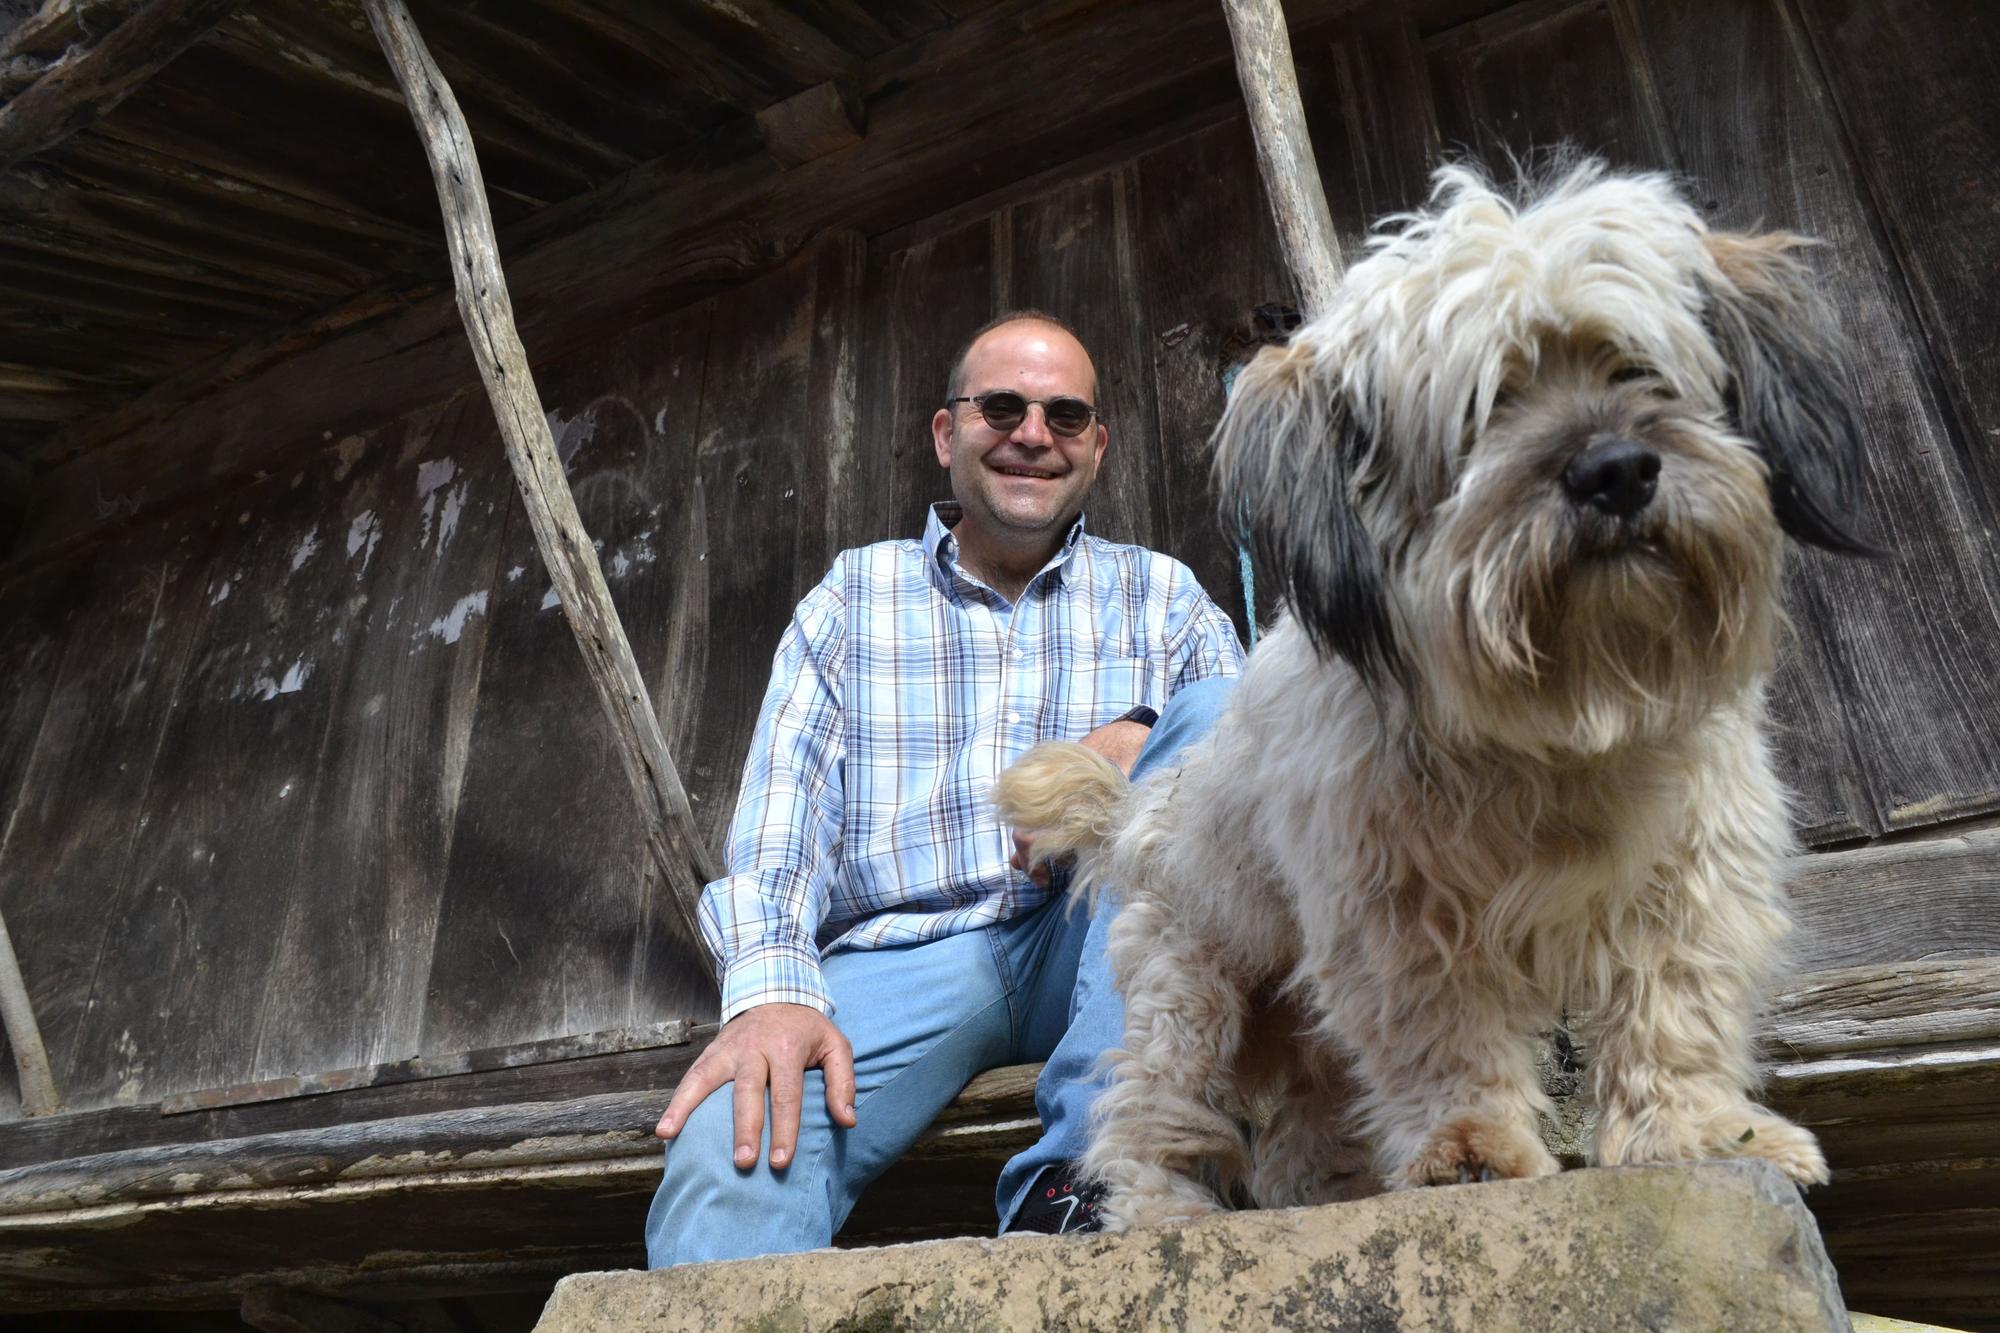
{"points": [[1787, 392], [1286, 452]]}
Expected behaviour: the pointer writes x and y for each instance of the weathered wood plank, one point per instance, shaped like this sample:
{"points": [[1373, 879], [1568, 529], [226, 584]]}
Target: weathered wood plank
{"points": [[1209, 257], [825, 118], [1073, 251], [72, 832], [547, 899], [414, 517], [664, 814], [193, 925], [833, 464], [77, 91], [1926, 898], [1910, 84], [925, 300]]}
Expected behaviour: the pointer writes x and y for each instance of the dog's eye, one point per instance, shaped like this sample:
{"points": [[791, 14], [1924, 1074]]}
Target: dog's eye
{"points": [[1627, 374]]}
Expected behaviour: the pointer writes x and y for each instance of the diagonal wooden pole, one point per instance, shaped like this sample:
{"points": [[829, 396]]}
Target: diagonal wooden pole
{"points": [[38, 1086], [1284, 149], [566, 548]]}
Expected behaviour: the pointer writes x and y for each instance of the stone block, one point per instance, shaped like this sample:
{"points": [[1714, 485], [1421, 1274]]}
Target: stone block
{"points": [[1726, 1245]]}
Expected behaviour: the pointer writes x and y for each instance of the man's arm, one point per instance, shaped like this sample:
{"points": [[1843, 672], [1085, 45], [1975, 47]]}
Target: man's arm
{"points": [[761, 920]]}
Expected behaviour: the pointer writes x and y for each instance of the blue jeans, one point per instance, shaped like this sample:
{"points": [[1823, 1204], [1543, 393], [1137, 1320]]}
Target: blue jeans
{"points": [[923, 1019]]}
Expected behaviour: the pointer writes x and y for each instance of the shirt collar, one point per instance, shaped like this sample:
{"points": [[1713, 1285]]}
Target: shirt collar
{"points": [[943, 546]]}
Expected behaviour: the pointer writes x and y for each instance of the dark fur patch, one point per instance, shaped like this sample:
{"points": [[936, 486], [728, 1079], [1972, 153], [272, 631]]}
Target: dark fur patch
{"points": [[1284, 470], [1787, 395]]}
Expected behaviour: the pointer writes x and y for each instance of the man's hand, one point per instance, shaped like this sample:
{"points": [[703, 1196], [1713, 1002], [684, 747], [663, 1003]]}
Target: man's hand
{"points": [[1119, 742], [772, 1045]]}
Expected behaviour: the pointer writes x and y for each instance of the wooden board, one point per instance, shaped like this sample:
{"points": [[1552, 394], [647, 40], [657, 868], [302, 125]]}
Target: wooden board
{"points": [[1073, 251], [1208, 255], [195, 921], [72, 834], [547, 901], [417, 523], [924, 300]]}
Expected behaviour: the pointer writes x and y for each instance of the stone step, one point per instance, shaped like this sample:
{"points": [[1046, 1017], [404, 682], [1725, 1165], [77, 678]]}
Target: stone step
{"points": [[1723, 1245]]}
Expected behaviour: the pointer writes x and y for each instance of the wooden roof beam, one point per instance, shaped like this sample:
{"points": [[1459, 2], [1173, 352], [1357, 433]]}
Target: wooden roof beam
{"points": [[84, 85]]}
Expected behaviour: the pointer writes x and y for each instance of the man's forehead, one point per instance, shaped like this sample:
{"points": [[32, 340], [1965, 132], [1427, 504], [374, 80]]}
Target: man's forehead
{"points": [[1027, 337]]}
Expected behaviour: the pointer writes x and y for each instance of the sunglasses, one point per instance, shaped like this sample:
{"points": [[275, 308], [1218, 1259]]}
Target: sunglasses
{"points": [[1003, 410]]}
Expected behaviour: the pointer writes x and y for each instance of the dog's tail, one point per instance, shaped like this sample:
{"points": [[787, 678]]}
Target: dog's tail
{"points": [[1067, 796]]}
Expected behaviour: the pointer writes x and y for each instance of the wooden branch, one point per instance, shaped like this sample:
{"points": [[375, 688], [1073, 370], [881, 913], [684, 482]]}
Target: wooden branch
{"points": [[24, 1035], [1284, 148], [566, 548], [78, 90]]}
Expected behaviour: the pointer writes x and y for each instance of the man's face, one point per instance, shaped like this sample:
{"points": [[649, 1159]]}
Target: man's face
{"points": [[1027, 485]]}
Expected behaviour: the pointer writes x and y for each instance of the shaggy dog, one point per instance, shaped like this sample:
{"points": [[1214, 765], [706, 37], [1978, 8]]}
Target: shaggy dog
{"points": [[1503, 757]]}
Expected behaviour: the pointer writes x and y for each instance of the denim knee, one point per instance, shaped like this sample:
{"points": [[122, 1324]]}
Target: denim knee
{"points": [[707, 1208]]}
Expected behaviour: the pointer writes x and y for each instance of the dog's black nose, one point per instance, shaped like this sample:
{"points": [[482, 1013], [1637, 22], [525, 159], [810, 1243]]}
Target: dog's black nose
{"points": [[1615, 476]]}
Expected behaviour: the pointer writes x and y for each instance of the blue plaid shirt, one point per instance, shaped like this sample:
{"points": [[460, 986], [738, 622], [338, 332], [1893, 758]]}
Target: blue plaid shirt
{"points": [[902, 688]]}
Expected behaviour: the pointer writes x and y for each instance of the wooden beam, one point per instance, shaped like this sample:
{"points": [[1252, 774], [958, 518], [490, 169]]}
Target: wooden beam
{"points": [[80, 88], [482, 1197], [670, 232], [276, 1311], [488, 315], [1284, 148], [825, 118]]}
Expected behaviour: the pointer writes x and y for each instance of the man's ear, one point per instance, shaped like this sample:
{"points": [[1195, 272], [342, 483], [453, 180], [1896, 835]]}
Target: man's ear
{"points": [[1286, 451], [941, 436], [1788, 392]]}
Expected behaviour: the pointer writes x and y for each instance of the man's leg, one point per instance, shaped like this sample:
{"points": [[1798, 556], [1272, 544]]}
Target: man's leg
{"points": [[1083, 989], [923, 1019]]}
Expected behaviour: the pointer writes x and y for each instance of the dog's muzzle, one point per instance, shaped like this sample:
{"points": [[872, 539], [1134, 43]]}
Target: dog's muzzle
{"points": [[1616, 476]]}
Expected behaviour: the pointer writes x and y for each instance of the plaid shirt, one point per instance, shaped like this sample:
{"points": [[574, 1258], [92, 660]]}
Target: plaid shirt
{"points": [[902, 688]]}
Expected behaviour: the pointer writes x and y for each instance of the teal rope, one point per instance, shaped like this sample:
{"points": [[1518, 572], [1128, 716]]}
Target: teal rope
{"points": [[1246, 571]]}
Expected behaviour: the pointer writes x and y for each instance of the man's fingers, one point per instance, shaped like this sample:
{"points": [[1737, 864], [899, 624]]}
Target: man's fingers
{"points": [[696, 1084], [750, 1081], [787, 1095], [838, 1067]]}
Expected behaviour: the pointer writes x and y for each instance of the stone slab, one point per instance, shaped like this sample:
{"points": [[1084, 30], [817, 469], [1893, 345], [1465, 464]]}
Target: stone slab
{"points": [[1726, 1245]]}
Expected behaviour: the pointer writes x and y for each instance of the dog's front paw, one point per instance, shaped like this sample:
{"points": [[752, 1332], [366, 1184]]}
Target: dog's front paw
{"points": [[1739, 1130], [1467, 1148], [1151, 1196], [1791, 1149]]}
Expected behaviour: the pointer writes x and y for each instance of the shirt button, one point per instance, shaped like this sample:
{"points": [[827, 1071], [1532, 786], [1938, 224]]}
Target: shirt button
{"points": [[1014, 719]]}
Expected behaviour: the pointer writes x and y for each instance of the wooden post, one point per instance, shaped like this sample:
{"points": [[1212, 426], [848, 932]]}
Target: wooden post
{"points": [[38, 1086], [1284, 149], [566, 548]]}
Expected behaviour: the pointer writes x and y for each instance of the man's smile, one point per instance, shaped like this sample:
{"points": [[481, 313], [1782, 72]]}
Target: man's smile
{"points": [[1021, 470]]}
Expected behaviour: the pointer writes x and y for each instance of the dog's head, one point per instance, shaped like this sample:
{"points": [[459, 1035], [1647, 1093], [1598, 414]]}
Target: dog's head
{"points": [[1534, 464]]}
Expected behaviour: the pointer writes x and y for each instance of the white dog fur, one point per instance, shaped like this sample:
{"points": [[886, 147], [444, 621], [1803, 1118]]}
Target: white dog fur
{"points": [[1503, 757]]}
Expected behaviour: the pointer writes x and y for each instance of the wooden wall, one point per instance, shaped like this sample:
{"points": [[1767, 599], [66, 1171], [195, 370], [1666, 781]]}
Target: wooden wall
{"points": [[307, 776]]}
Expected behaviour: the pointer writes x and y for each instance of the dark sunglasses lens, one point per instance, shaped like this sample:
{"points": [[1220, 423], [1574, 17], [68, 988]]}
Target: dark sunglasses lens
{"points": [[1003, 411], [1068, 416]]}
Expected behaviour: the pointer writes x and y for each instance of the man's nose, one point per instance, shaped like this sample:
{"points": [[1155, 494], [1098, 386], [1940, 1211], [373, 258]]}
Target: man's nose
{"points": [[1034, 427]]}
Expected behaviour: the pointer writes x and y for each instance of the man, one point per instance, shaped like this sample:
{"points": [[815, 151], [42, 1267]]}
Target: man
{"points": [[878, 945]]}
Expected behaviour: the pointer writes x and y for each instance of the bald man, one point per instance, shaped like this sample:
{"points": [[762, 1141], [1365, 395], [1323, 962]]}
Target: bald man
{"points": [[877, 940]]}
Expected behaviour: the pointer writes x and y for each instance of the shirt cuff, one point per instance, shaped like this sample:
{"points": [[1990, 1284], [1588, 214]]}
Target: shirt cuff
{"points": [[774, 974]]}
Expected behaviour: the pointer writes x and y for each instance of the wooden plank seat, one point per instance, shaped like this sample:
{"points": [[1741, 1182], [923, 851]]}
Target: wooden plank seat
{"points": [[506, 1178]]}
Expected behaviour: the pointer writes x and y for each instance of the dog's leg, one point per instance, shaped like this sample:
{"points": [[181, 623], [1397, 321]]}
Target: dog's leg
{"points": [[1450, 1092], [1310, 1151], [1164, 1137], [1670, 1052]]}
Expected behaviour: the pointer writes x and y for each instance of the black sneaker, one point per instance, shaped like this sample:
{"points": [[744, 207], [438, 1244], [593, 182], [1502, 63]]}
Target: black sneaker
{"points": [[1057, 1206]]}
